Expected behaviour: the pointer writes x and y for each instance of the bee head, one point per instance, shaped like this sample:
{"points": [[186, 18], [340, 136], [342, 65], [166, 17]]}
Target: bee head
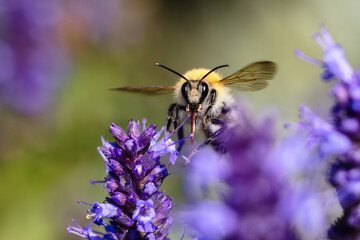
{"points": [[193, 87], [194, 94]]}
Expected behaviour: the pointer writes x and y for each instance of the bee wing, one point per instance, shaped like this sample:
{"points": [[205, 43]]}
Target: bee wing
{"points": [[252, 77], [146, 90]]}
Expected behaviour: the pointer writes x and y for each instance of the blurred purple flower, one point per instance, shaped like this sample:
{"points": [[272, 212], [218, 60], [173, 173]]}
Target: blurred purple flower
{"points": [[33, 60], [135, 206], [250, 206], [255, 189], [307, 203], [322, 134], [204, 174], [214, 220], [340, 137], [334, 60]]}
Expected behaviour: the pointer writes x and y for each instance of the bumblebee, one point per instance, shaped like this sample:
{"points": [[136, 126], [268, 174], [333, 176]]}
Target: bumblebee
{"points": [[204, 98]]}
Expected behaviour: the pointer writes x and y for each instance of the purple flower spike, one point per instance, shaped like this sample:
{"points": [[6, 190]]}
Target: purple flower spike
{"points": [[135, 207], [340, 137], [255, 191]]}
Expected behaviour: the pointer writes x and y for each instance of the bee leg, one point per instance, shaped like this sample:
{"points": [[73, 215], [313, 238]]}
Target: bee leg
{"points": [[175, 122], [211, 139], [205, 118], [168, 124], [180, 134], [171, 117], [211, 104], [175, 118]]}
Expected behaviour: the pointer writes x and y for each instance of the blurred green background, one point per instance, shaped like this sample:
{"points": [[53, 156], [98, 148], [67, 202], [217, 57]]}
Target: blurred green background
{"points": [[48, 158]]}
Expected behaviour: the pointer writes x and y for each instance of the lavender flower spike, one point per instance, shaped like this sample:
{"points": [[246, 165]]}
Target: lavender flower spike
{"points": [[340, 137], [135, 208]]}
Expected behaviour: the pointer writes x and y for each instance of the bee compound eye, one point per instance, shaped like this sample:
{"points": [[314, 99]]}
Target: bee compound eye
{"points": [[204, 89], [185, 89]]}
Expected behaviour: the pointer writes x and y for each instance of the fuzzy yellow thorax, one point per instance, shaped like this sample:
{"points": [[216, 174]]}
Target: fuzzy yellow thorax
{"points": [[197, 73]]}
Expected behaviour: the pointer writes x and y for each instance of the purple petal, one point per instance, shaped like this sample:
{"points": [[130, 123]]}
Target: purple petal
{"points": [[150, 188], [173, 156], [337, 64], [119, 198], [164, 228], [118, 133], [148, 161], [148, 227], [335, 143], [134, 129], [146, 136], [124, 219], [131, 148]]}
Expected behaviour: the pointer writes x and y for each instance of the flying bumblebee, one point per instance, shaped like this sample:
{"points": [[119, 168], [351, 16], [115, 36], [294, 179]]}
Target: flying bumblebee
{"points": [[205, 96]]}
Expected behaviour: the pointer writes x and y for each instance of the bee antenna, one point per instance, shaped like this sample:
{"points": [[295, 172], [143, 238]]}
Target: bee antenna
{"points": [[215, 68], [173, 71]]}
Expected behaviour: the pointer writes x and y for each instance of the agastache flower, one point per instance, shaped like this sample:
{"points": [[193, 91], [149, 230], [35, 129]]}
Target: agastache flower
{"points": [[340, 137], [135, 208]]}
